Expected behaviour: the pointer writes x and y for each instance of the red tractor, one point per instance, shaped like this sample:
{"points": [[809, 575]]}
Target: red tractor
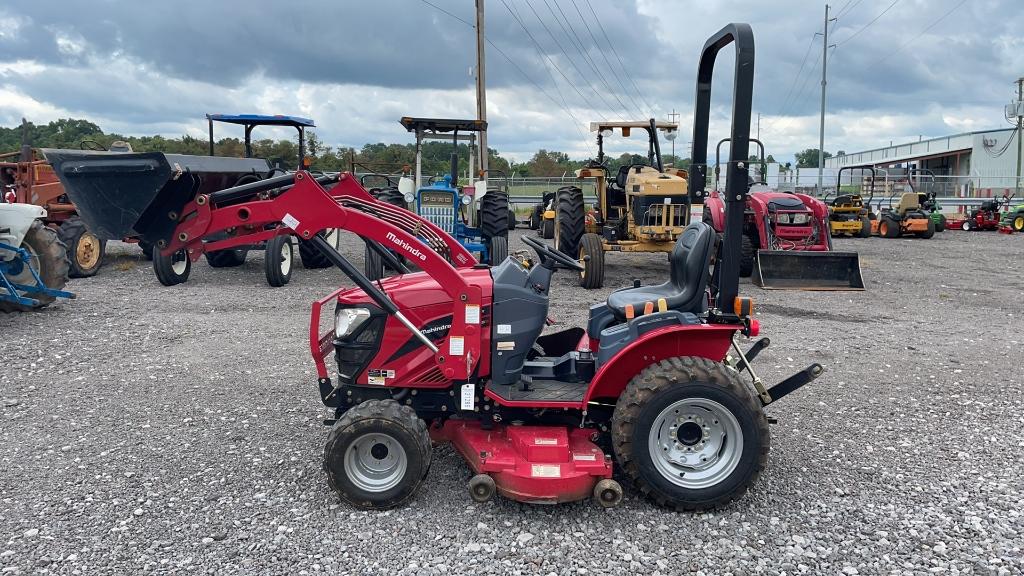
{"points": [[786, 242], [654, 383]]}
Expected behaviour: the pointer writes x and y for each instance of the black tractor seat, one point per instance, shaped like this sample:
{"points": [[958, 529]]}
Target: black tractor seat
{"points": [[689, 271]]}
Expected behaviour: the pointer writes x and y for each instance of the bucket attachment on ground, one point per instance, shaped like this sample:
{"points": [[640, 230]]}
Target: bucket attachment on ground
{"points": [[807, 270], [141, 194]]}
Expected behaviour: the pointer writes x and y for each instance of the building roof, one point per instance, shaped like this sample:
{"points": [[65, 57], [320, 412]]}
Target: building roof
{"points": [[896, 153]]}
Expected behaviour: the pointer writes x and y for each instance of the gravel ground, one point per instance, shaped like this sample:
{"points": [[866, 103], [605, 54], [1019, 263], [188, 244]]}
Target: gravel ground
{"points": [[155, 430]]}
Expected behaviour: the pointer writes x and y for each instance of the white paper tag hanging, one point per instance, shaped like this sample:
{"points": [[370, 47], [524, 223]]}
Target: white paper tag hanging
{"points": [[468, 397]]}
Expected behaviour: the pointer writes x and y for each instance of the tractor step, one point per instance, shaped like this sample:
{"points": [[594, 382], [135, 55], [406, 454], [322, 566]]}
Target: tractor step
{"points": [[539, 391], [534, 464]]}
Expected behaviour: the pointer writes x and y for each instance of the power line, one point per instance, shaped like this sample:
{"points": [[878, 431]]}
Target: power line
{"points": [[785, 99], [565, 108], [843, 11], [572, 62], [618, 77], [921, 33], [619, 58], [868, 25], [548, 58], [580, 48]]}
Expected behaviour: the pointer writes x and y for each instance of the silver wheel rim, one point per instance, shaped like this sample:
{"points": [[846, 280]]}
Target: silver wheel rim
{"points": [[375, 462], [696, 443], [178, 266], [286, 258]]}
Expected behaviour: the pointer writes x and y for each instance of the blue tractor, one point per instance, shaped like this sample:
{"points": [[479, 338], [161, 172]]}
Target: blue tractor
{"points": [[477, 216]]}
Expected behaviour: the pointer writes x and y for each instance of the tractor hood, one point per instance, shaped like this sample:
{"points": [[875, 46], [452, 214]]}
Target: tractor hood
{"points": [[780, 200], [414, 290]]}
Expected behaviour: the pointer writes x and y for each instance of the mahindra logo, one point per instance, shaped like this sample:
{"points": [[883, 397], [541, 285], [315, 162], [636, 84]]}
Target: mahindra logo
{"points": [[436, 329], [412, 250]]}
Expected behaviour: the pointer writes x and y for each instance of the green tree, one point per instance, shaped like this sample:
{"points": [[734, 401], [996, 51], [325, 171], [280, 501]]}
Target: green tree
{"points": [[809, 158]]}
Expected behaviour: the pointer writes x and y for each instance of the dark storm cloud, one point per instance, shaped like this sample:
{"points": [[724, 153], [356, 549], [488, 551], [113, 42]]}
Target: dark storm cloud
{"points": [[389, 43]]}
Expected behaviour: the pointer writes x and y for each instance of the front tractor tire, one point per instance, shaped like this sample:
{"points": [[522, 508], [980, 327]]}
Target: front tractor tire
{"points": [[172, 270], [85, 249], [48, 256], [497, 250], [377, 455], [748, 253], [690, 434], [592, 257], [278, 259], [865, 227], [570, 220]]}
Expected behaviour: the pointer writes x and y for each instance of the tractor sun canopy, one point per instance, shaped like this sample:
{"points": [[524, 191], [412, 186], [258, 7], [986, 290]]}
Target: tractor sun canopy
{"points": [[251, 121]]}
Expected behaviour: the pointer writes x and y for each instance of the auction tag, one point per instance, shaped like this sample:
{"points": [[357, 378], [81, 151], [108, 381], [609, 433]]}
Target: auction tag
{"points": [[472, 314], [290, 221], [456, 346], [468, 396]]}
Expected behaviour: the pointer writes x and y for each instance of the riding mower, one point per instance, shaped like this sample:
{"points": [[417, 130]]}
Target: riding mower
{"points": [[927, 197], [785, 243], [454, 353], [848, 215], [33, 260], [906, 217], [643, 209], [989, 215], [1013, 220]]}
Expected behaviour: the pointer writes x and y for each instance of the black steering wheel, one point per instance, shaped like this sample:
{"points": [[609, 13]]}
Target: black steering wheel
{"points": [[545, 252], [92, 145]]}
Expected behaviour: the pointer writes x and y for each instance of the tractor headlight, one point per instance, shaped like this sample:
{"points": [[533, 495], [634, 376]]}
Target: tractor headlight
{"points": [[800, 218], [346, 320], [409, 197], [467, 199]]}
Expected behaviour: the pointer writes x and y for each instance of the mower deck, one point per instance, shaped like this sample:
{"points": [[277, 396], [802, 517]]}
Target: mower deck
{"points": [[533, 464]]}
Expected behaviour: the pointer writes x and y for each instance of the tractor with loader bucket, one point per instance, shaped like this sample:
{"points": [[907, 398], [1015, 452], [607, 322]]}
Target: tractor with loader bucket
{"points": [[643, 209], [477, 216], [656, 383], [126, 181], [785, 243]]}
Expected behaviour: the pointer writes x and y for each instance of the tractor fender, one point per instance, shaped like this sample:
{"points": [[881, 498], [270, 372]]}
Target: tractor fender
{"points": [[716, 208], [709, 341]]}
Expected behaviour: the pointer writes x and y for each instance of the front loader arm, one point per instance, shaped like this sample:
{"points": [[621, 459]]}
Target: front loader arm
{"points": [[307, 208]]}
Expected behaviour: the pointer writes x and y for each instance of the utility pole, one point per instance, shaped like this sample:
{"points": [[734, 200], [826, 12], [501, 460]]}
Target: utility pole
{"points": [[824, 82], [481, 88], [758, 125], [1020, 122], [672, 117]]}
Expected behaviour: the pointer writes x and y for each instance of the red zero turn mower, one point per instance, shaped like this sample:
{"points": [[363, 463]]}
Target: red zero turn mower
{"points": [[454, 353]]}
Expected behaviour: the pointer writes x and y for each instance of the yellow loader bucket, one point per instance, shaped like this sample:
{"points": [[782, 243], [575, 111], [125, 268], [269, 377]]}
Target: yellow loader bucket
{"points": [[806, 270]]}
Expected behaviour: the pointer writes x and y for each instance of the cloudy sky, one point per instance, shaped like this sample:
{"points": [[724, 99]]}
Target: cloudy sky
{"points": [[900, 69]]}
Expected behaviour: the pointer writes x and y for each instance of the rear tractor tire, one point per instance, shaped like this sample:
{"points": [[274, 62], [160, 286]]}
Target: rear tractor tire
{"points": [[570, 220], [536, 216], [494, 215], [690, 434], [278, 259], [748, 253], [49, 257], [940, 223], [229, 258], [172, 270], [85, 249], [377, 455], [1018, 222], [592, 257], [311, 257]]}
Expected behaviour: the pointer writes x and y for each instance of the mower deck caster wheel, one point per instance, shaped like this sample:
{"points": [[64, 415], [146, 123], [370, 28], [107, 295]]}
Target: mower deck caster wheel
{"points": [[481, 488], [608, 493]]}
